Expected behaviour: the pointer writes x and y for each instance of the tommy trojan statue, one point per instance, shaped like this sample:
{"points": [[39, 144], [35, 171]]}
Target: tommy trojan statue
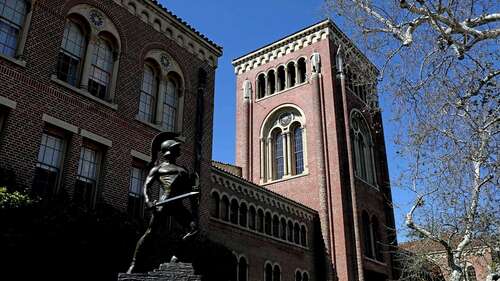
{"points": [[177, 185]]}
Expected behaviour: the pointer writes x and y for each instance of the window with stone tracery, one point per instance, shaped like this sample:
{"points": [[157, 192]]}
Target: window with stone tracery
{"points": [[364, 166], [282, 145]]}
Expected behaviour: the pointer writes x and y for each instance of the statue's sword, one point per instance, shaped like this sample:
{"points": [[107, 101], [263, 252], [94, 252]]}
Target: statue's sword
{"points": [[179, 197]]}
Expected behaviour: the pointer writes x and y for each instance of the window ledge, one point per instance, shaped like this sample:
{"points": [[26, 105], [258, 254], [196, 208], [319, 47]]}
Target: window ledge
{"points": [[285, 178], [282, 91], [84, 93], [374, 186], [158, 128], [247, 229], [20, 63]]}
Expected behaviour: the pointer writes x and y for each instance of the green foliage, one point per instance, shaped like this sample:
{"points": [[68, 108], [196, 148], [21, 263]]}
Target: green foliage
{"points": [[14, 199]]}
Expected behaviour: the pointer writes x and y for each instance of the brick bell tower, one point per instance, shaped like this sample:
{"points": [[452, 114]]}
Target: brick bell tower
{"points": [[296, 99]]}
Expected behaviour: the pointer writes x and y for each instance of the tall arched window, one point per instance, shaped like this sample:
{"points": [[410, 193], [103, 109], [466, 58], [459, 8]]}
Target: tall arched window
{"points": [[296, 233], [271, 82], [377, 242], [362, 148], [279, 164], [149, 89], [276, 273], [261, 85], [243, 215], [260, 220], [101, 69], [242, 269], [267, 224], [298, 276], [298, 151], [268, 274], [283, 151], [283, 229], [281, 78], [12, 17], [225, 208], [289, 231], [72, 53], [170, 103], [276, 226], [252, 218], [234, 211], [305, 277], [215, 206], [302, 70], [367, 235], [303, 236]]}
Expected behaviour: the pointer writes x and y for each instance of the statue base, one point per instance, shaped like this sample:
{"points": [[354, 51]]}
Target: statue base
{"points": [[166, 272]]}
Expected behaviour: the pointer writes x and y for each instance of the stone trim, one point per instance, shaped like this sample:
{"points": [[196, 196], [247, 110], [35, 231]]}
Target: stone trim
{"points": [[140, 155], [96, 138], [19, 62], [299, 40], [176, 29], [60, 123], [8, 102]]}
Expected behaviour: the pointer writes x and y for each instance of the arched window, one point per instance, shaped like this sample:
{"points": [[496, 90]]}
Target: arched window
{"points": [[298, 276], [363, 149], [302, 70], [261, 85], [243, 214], [296, 233], [291, 74], [305, 277], [276, 273], [289, 231], [282, 144], [298, 151], [225, 208], [149, 89], [260, 221], [279, 164], [303, 236], [367, 235], [377, 241], [268, 273], [72, 53], [170, 104], [101, 69], [12, 18], [281, 78], [268, 223], [234, 211], [252, 218], [283, 229], [215, 206], [242, 269], [276, 226], [234, 267], [471, 273], [271, 82]]}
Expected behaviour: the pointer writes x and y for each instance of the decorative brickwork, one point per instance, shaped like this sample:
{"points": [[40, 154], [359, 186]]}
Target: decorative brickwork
{"points": [[166, 272]]}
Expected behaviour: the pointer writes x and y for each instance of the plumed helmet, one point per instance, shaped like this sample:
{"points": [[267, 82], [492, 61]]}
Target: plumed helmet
{"points": [[168, 145]]}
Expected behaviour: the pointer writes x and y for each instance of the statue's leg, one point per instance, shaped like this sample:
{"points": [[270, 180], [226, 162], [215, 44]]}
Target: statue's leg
{"points": [[140, 243]]}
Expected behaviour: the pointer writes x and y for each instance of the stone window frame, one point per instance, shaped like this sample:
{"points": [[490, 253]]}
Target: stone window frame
{"points": [[19, 57], [168, 71], [266, 88], [269, 127], [372, 244], [363, 133], [64, 137], [100, 28]]}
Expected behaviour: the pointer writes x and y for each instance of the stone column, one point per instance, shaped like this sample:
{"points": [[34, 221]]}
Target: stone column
{"points": [[262, 160], [276, 82], [269, 159], [84, 83], [297, 76], [288, 151], [266, 83]]}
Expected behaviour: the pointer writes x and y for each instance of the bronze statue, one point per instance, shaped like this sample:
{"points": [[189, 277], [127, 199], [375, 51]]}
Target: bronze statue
{"points": [[177, 185]]}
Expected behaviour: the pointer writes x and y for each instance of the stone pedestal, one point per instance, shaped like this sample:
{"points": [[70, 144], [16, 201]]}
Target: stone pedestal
{"points": [[166, 272]]}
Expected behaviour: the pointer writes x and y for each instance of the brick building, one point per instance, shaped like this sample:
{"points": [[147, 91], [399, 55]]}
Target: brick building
{"points": [[86, 84]]}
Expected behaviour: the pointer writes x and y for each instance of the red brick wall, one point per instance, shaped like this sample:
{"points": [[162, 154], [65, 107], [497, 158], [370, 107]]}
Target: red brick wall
{"points": [[31, 87]]}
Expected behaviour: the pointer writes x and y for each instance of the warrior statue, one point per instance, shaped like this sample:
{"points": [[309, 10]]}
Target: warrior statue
{"points": [[177, 185]]}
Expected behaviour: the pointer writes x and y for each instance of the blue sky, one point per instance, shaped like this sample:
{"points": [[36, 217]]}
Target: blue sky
{"points": [[243, 26]]}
